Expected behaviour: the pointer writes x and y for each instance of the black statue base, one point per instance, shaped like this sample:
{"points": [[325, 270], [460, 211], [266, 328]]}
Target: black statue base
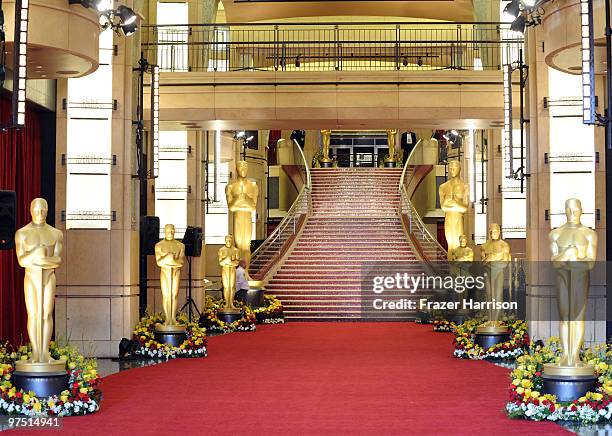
{"points": [[44, 384], [229, 315], [568, 388], [458, 318], [171, 338], [390, 164], [487, 340], [326, 164], [252, 297]]}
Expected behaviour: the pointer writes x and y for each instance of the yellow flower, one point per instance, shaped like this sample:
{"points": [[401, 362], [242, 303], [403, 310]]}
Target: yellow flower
{"points": [[37, 406], [582, 399], [526, 383], [26, 398], [72, 365], [51, 404], [535, 394], [83, 390], [64, 398], [516, 382], [520, 390]]}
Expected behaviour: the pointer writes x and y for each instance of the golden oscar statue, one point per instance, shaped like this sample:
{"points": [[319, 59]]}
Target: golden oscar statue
{"points": [[324, 160], [39, 247], [391, 159], [242, 202], [229, 258], [574, 248], [170, 257], [454, 196], [461, 259], [495, 255]]}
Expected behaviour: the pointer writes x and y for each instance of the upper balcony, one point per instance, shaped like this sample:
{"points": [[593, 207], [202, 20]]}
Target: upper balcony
{"points": [[406, 46], [333, 74]]}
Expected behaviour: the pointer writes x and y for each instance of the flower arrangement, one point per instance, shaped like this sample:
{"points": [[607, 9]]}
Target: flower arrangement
{"points": [[466, 347], [83, 395], [443, 325], [271, 312], [193, 346], [213, 324], [527, 400]]}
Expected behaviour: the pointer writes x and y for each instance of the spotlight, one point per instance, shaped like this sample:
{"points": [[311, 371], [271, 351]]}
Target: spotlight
{"points": [[513, 8], [405, 61], [529, 3], [240, 134], [445, 136], [297, 62], [420, 62], [20, 62], [104, 5], [518, 25], [454, 132], [128, 22], [250, 138], [155, 118]]}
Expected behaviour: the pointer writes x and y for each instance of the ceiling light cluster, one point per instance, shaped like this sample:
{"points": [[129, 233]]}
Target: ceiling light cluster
{"points": [[122, 19], [524, 13]]}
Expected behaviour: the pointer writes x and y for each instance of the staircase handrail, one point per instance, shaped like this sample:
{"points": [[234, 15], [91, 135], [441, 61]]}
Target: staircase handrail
{"points": [[415, 222], [301, 206]]}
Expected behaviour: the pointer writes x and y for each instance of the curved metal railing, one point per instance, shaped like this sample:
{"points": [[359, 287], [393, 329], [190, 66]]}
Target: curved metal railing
{"points": [[430, 248], [276, 245]]}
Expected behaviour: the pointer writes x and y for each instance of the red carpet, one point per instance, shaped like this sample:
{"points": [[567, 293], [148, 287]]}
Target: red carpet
{"points": [[319, 378]]}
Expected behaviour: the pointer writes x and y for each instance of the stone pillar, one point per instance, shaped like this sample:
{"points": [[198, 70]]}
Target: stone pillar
{"points": [[541, 289], [97, 295]]}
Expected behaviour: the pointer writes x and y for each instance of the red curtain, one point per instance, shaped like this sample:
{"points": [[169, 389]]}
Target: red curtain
{"points": [[20, 171], [275, 135]]}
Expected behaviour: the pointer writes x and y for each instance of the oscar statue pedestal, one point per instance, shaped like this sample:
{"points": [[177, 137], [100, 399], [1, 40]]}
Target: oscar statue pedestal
{"points": [[568, 383], [326, 163], [490, 335], [45, 379], [390, 163], [173, 335], [229, 316]]}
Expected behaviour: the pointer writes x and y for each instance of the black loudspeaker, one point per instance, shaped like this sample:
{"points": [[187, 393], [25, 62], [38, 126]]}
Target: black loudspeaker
{"points": [[149, 234], [8, 219], [193, 241]]}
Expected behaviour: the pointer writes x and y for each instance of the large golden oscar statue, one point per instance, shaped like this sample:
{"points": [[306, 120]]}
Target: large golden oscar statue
{"points": [[242, 202], [574, 248], [229, 258], [454, 197], [39, 247], [391, 159], [324, 160], [170, 257], [495, 255]]}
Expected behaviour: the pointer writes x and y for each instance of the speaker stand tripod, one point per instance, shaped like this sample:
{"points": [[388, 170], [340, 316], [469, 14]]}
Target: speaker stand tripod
{"points": [[190, 303]]}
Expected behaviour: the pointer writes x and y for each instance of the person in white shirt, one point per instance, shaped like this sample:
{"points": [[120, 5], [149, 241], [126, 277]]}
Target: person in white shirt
{"points": [[241, 282]]}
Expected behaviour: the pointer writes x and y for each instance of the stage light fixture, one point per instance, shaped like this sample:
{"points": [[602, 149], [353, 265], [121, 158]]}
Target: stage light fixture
{"points": [[155, 119], [507, 138], [128, 21], [513, 9], [454, 132], [589, 115], [297, 62], [240, 134], [405, 61], [249, 139], [420, 62], [20, 62], [529, 3], [519, 25], [104, 5]]}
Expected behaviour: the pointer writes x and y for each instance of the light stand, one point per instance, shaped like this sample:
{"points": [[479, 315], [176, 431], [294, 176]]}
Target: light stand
{"points": [[190, 303], [143, 176]]}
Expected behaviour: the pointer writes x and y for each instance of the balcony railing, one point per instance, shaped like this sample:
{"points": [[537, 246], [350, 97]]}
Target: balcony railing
{"points": [[329, 47]]}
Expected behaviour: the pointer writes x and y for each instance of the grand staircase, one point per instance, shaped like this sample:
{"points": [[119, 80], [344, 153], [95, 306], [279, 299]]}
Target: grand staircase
{"points": [[354, 222]]}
